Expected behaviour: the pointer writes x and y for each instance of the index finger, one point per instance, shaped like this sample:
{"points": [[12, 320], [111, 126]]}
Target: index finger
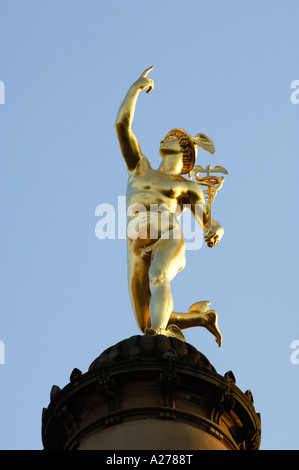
{"points": [[147, 71]]}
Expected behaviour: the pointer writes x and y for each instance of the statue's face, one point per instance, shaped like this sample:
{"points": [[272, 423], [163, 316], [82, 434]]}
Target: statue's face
{"points": [[170, 145]]}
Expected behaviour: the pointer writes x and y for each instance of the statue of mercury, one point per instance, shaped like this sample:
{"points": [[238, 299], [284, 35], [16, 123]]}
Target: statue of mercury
{"points": [[157, 254]]}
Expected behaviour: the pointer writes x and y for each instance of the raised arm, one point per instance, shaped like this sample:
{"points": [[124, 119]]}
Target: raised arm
{"points": [[128, 142]]}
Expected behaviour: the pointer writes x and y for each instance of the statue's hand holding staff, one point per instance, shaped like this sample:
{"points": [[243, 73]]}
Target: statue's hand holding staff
{"points": [[213, 235]]}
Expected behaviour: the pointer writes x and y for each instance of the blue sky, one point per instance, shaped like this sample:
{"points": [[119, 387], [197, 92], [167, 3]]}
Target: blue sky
{"points": [[221, 68]]}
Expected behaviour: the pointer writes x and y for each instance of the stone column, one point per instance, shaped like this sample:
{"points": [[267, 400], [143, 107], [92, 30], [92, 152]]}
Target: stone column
{"points": [[150, 393]]}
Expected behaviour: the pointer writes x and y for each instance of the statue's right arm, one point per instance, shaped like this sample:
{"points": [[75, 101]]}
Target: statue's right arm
{"points": [[129, 145]]}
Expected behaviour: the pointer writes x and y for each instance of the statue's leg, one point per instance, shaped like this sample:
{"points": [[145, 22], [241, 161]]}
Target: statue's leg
{"points": [[168, 257], [206, 319], [139, 287]]}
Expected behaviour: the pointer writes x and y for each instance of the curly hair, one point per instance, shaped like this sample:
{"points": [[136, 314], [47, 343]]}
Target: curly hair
{"points": [[187, 147]]}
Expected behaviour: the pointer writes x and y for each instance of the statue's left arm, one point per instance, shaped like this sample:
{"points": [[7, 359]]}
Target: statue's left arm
{"points": [[200, 211]]}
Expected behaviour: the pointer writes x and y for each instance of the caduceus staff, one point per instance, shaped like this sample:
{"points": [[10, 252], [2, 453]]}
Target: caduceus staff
{"points": [[212, 182]]}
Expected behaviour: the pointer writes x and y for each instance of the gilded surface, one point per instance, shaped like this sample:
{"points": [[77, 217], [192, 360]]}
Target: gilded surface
{"points": [[155, 199]]}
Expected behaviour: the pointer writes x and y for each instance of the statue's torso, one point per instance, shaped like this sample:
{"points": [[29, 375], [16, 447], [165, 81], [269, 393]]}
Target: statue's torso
{"points": [[154, 203], [152, 190]]}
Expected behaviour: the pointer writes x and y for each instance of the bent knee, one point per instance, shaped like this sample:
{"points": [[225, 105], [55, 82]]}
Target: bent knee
{"points": [[158, 278]]}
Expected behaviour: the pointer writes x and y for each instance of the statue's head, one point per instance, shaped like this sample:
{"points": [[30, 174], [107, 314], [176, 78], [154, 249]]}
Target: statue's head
{"points": [[188, 145]]}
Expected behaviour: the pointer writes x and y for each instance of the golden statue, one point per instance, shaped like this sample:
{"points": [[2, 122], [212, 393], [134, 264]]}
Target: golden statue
{"points": [[154, 200]]}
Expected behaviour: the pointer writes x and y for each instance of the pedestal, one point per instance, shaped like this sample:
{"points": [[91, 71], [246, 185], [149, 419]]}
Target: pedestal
{"points": [[150, 393]]}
